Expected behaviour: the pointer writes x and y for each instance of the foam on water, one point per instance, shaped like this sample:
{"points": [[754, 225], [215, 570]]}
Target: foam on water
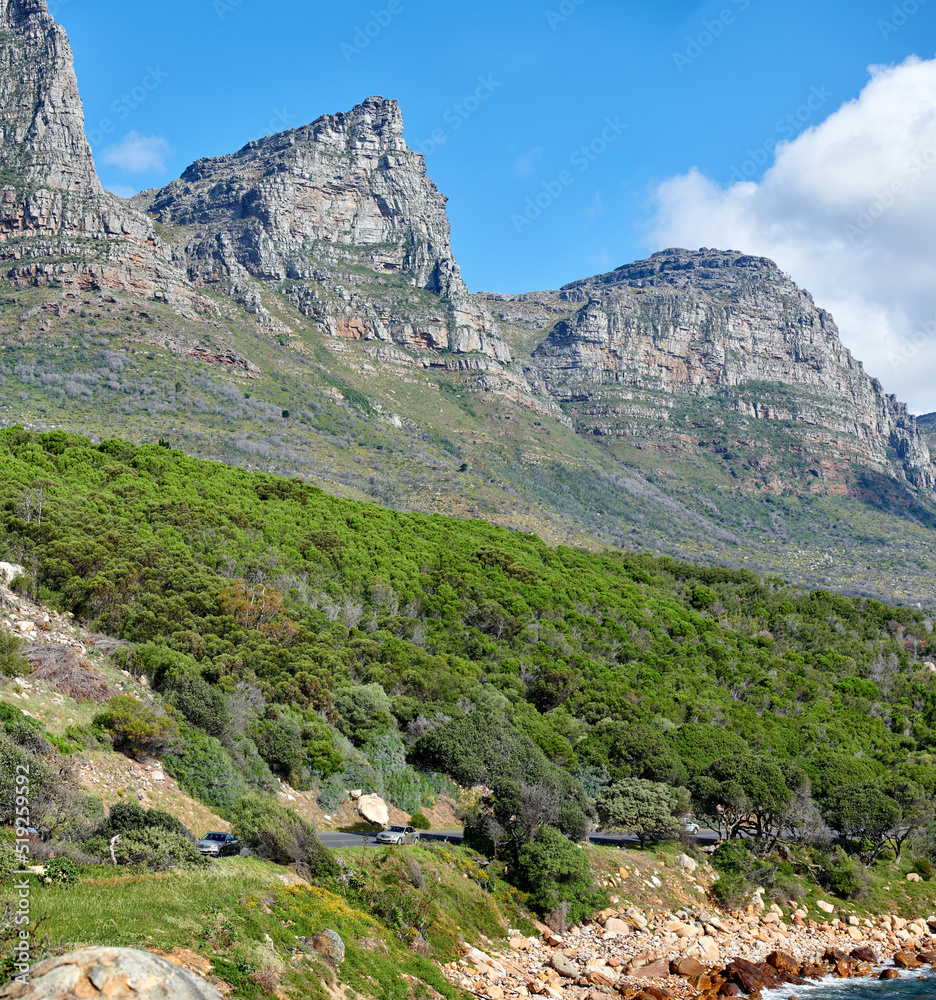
{"points": [[914, 984]]}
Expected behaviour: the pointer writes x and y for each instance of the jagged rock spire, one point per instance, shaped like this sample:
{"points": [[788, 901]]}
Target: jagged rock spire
{"points": [[42, 137]]}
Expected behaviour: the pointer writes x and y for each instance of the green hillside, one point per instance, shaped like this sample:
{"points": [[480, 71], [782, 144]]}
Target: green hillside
{"points": [[289, 634]]}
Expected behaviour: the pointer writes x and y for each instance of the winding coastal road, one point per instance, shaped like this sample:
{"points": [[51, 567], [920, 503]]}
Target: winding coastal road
{"points": [[338, 840]]}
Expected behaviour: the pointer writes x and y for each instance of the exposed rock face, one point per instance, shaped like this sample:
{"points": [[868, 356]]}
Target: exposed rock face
{"points": [[302, 209], [118, 973], [639, 345], [49, 190]]}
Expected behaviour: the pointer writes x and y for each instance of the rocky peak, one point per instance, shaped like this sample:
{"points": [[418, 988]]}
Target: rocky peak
{"points": [[645, 340], [42, 137], [307, 209]]}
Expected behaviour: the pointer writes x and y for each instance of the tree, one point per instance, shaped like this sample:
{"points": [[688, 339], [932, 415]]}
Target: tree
{"points": [[631, 751], [363, 712], [698, 745], [555, 871], [916, 811], [745, 793], [863, 813], [648, 809]]}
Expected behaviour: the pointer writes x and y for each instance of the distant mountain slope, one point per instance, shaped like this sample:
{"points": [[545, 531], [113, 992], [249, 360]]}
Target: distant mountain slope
{"points": [[296, 306]]}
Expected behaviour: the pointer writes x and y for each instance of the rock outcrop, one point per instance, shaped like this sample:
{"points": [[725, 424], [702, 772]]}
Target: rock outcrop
{"points": [[341, 218], [57, 224], [117, 973], [631, 354]]}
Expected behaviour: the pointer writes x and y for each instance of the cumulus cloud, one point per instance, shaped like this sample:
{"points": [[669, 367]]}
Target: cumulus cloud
{"points": [[138, 154], [848, 209]]}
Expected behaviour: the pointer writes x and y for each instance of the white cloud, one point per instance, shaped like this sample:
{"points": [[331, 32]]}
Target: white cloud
{"points": [[138, 154], [123, 190], [848, 208]]}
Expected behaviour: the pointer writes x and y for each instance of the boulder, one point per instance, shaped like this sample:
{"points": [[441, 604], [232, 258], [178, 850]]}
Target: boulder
{"points": [[864, 954], [117, 973], [329, 944], [656, 970], [684, 861], [914, 877], [9, 572], [889, 974], [821, 904], [906, 960], [614, 925], [374, 809], [752, 977], [706, 949], [687, 967], [783, 962], [565, 968]]}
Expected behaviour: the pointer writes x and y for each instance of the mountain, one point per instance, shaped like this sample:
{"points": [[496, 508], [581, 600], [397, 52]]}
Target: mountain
{"points": [[296, 307]]}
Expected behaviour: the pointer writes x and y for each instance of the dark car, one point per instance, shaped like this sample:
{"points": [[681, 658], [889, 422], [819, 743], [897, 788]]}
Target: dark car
{"points": [[218, 844], [398, 835]]}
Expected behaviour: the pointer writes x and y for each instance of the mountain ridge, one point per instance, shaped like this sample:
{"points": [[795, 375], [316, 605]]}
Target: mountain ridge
{"points": [[296, 306]]}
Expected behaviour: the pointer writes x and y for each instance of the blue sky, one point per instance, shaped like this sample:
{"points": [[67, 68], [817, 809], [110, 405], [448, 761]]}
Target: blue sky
{"points": [[584, 106]]}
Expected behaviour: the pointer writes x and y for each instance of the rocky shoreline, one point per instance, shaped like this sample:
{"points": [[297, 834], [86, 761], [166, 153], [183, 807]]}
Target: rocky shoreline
{"points": [[658, 955]]}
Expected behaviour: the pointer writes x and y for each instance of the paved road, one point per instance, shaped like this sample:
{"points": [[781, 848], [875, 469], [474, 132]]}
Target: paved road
{"points": [[336, 840]]}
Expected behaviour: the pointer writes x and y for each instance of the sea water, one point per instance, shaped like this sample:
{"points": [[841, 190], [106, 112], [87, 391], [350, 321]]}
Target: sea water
{"points": [[914, 984]]}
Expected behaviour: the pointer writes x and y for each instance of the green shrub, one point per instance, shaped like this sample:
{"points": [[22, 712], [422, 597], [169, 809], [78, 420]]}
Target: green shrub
{"points": [[127, 816], [12, 661], [332, 793], [9, 860], [843, 875], [136, 727], [157, 848], [924, 868], [204, 769], [60, 871], [278, 738], [84, 737], [419, 822], [553, 871], [732, 890], [281, 835]]}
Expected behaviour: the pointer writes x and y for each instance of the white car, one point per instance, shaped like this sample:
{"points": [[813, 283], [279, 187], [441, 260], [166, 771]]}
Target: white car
{"points": [[690, 825], [398, 835]]}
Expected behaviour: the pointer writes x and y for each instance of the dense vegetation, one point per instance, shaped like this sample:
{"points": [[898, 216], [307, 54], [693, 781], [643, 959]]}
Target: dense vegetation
{"points": [[340, 645]]}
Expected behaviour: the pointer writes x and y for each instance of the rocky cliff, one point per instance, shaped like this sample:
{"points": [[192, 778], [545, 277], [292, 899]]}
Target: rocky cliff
{"points": [[660, 352], [57, 225], [340, 217]]}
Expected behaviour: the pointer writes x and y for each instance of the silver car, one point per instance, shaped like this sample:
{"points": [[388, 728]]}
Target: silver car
{"points": [[218, 844], [398, 835]]}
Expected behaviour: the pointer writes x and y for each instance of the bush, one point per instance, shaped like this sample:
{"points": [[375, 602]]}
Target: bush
{"points": [[204, 769], [732, 891], [278, 738], [332, 793], [419, 822], [281, 835], [9, 860], [138, 728], [553, 870], [157, 848], [843, 875], [60, 871], [12, 661], [125, 817]]}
